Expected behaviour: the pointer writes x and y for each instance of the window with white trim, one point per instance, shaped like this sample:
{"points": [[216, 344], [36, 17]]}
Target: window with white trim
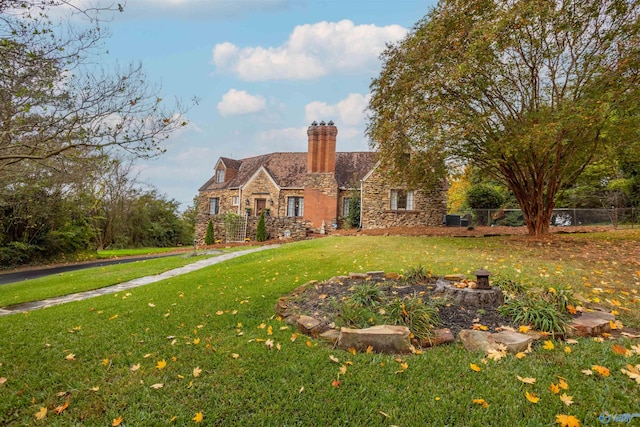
{"points": [[295, 206], [220, 176], [235, 201], [214, 205], [345, 206], [401, 200]]}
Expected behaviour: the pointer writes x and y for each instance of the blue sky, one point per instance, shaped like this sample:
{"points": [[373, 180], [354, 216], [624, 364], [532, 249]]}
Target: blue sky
{"points": [[263, 70]]}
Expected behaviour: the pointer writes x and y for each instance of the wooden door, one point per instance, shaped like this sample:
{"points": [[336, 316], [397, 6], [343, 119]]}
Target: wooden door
{"points": [[261, 204]]}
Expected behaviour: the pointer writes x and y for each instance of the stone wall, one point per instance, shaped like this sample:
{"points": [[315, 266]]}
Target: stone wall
{"points": [[428, 209], [277, 228]]}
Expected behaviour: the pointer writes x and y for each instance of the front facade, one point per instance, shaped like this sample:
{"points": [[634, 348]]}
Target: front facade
{"points": [[310, 191]]}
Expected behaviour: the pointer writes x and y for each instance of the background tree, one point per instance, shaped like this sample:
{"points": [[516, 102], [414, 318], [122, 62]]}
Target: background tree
{"points": [[530, 91]]}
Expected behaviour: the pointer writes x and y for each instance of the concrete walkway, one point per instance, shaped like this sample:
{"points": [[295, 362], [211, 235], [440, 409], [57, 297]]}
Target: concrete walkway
{"points": [[29, 306]]}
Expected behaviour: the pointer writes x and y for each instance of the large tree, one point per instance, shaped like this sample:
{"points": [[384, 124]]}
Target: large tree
{"points": [[529, 90], [55, 98]]}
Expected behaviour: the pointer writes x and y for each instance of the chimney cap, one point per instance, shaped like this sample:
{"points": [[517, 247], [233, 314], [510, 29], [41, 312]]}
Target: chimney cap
{"points": [[314, 123], [322, 123], [330, 123]]}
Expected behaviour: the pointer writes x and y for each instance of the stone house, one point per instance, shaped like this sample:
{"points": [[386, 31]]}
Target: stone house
{"points": [[310, 191]]}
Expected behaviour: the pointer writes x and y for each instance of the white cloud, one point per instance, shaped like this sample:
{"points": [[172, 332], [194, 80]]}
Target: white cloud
{"points": [[350, 111], [287, 139], [312, 51], [237, 102]]}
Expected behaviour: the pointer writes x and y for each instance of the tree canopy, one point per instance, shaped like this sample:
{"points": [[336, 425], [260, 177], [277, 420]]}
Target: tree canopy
{"points": [[531, 91], [55, 98]]}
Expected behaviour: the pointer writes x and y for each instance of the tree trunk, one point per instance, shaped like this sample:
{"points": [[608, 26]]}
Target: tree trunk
{"points": [[537, 207]]}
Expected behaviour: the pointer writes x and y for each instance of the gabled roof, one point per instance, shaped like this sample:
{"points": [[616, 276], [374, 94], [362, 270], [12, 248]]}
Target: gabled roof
{"points": [[289, 169]]}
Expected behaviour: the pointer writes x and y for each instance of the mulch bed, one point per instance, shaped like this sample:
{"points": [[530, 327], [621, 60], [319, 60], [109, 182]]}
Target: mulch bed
{"points": [[320, 300]]}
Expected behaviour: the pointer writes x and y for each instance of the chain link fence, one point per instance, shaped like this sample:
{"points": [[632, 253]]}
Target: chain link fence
{"points": [[562, 217]]}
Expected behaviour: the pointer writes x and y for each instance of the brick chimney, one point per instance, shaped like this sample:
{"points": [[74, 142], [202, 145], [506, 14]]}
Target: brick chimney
{"points": [[321, 154], [321, 187]]}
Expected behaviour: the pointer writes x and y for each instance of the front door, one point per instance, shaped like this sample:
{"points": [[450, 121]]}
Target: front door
{"points": [[261, 204]]}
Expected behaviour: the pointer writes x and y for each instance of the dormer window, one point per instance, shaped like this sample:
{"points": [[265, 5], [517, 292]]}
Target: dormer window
{"points": [[220, 176]]}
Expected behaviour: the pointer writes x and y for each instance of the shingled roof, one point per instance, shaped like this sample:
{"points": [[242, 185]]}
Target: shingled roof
{"points": [[288, 169]]}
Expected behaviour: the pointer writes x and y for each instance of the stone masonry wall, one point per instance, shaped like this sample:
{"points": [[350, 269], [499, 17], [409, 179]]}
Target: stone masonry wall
{"points": [[429, 207]]}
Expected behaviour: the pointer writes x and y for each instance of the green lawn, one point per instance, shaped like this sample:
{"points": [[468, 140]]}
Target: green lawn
{"points": [[88, 279], [218, 320], [114, 253]]}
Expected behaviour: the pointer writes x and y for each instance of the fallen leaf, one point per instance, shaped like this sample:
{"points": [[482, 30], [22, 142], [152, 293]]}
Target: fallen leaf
{"points": [[334, 359], [587, 371], [270, 330], [618, 349], [115, 316], [301, 389], [479, 327], [369, 350], [567, 349], [520, 355], [96, 388], [3, 380], [269, 344], [135, 367], [531, 397], [343, 369], [157, 386], [526, 380], [308, 343], [554, 388], [198, 418], [384, 414], [481, 402], [602, 370], [567, 421], [105, 362], [352, 350], [475, 367], [61, 408], [235, 355], [571, 341], [548, 345], [562, 383], [567, 400], [632, 372], [196, 372], [497, 354], [117, 421], [335, 383], [161, 364], [41, 414], [151, 305], [294, 336], [524, 329]]}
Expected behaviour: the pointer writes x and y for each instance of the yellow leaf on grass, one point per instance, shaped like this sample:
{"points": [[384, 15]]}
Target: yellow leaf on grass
{"points": [[70, 356], [524, 329], [554, 388], [352, 350], [520, 355], [41, 414], [369, 349], [270, 330], [481, 402], [117, 421], [198, 418], [632, 372], [3, 380], [196, 372], [196, 341], [294, 337], [587, 371], [333, 358], [135, 367], [105, 362], [548, 345], [562, 383], [526, 380], [567, 400], [157, 386], [161, 364], [531, 397], [475, 367], [567, 421], [115, 316], [235, 355], [479, 327], [343, 369], [602, 370]]}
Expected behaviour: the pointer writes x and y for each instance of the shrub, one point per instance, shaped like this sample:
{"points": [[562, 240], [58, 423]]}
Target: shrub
{"points": [[417, 274], [209, 237], [537, 311], [261, 229]]}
